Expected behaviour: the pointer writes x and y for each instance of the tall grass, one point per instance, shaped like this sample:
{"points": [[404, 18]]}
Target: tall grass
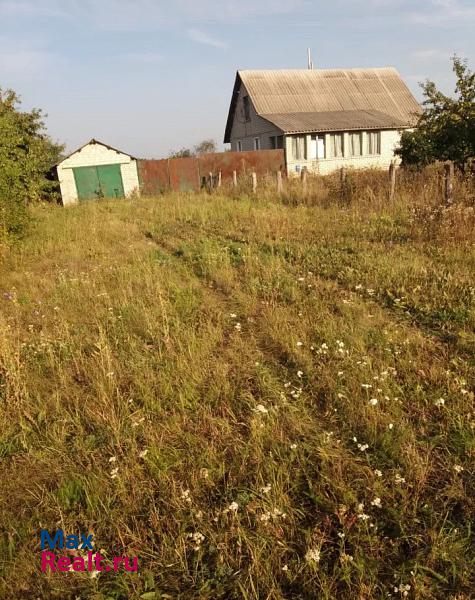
{"points": [[283, 386]]}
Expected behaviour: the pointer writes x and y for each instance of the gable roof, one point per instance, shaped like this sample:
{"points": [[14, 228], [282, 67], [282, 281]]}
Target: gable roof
{"points": [[94, 141], [298, 100]]}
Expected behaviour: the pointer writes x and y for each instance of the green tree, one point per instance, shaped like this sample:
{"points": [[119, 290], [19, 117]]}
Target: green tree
{"points": [[27, 155], [446, 127], [181, 153]]}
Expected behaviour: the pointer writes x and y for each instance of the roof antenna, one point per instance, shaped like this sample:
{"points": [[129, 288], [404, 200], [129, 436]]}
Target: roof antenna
{"points": [[309, 59]]}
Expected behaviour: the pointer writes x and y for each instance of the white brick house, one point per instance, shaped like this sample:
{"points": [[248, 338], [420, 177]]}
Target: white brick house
{"points": [[97, 170], [324, 119]]}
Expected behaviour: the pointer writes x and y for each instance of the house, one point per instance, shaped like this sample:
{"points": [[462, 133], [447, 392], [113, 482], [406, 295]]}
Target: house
{"points": [[97, 170], [324, 119]]}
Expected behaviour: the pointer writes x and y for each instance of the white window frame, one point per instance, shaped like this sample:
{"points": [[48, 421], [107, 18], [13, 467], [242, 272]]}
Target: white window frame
{"points": [[331, 149], [296, 146], [257, 143], [350, 143], [370, 151]]}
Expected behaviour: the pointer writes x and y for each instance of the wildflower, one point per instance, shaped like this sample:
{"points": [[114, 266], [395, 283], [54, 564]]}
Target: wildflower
{"points": [[113, 459], [340, 373], [233, 507], [403, 589], [398, 479], [373, 401], [266, 489], [376, 502], [110, 374], [366, 386], [301, 279], [233, 315], [378, 473], [458, 468], [114, 473], [440, 402], [197, 538], [391, 426], [293, 446], [313, 555], [185, 495], [363, 447], [341, 535], [143, 454], [299, 373], [285, 568], [299, 344], [265, 517], [261, 409], [237, 326], [204, 473], [346, 557]]}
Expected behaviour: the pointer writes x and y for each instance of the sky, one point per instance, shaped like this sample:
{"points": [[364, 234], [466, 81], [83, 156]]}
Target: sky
{"points": [[151, 76]]}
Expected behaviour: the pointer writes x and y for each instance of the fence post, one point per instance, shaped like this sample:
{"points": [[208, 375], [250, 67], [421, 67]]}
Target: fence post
{"points": [[303, 179], [449, 182], [343, 183], [219, 179], [392, 180], [279, 182], [254, 182], [210, 181], [234, 179]]}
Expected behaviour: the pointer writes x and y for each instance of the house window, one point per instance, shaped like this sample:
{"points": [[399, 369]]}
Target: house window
{"points": [[373, 142], [298, 147], [335, 145], [355, 144], [247, 108], [257, 144], [317, 147], [276, 142], [239, 146]]}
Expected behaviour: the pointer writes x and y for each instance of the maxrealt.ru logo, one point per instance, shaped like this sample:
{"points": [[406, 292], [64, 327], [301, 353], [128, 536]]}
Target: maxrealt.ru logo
{"points": [[82, 555]]}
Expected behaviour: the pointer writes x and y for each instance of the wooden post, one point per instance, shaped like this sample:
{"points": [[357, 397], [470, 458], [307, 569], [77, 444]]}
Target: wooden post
{"points": [[303, 179], [343, 183], [254, 182], [234, 179], [280, 187], [449, 182], [219, 179], [210, 181], [392, 180]]}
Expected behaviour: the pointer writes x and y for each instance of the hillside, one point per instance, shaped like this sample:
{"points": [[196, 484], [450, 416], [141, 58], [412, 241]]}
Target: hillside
{"points": [[258, 400]]}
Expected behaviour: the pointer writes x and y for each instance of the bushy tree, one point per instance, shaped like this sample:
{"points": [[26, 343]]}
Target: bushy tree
{"points": [[205, 147], [446, 127], [27, 154], [182, 153]]}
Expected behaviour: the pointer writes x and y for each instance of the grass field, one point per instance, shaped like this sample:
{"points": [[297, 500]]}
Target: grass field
{"points": [[259, 400]]}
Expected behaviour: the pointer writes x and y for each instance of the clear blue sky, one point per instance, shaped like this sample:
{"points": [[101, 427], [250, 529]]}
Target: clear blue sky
{"points": [[147, 76]]}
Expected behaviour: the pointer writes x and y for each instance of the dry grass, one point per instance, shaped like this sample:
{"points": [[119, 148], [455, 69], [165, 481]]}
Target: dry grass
{"points": [[243, 343]]}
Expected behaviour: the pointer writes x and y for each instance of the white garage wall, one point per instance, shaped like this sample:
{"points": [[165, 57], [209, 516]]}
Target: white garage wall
{"points": [[91, 155]]}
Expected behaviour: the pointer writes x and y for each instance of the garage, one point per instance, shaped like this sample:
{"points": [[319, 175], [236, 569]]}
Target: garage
{"points": [[97, 170]]}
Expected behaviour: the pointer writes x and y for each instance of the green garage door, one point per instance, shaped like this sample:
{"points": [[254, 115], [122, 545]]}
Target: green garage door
{"points": [[102, 181]]}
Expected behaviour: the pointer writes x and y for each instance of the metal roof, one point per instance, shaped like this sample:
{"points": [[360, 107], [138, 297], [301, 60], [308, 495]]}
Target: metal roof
{"points": [[337, 120], [297, 91]]}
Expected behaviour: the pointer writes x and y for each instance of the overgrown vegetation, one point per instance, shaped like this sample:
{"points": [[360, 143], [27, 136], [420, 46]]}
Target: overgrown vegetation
{"points": [[446, 127], [259, 399], [26, 156]]}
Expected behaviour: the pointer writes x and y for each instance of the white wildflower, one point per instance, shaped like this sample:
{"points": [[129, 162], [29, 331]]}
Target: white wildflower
{"points": [[373, 401], [299, 344], [185, 495], [266, 489], [237, 326], [440, 402], [293, 446], [299, 373], [260, 408], [233, 315], [458, 468], [113, 459], [378, 473], [114, 473], [285, 568], [376, 502], [398, 479], [391, 426], [233, 507], [313, 555], [143, 454]]}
